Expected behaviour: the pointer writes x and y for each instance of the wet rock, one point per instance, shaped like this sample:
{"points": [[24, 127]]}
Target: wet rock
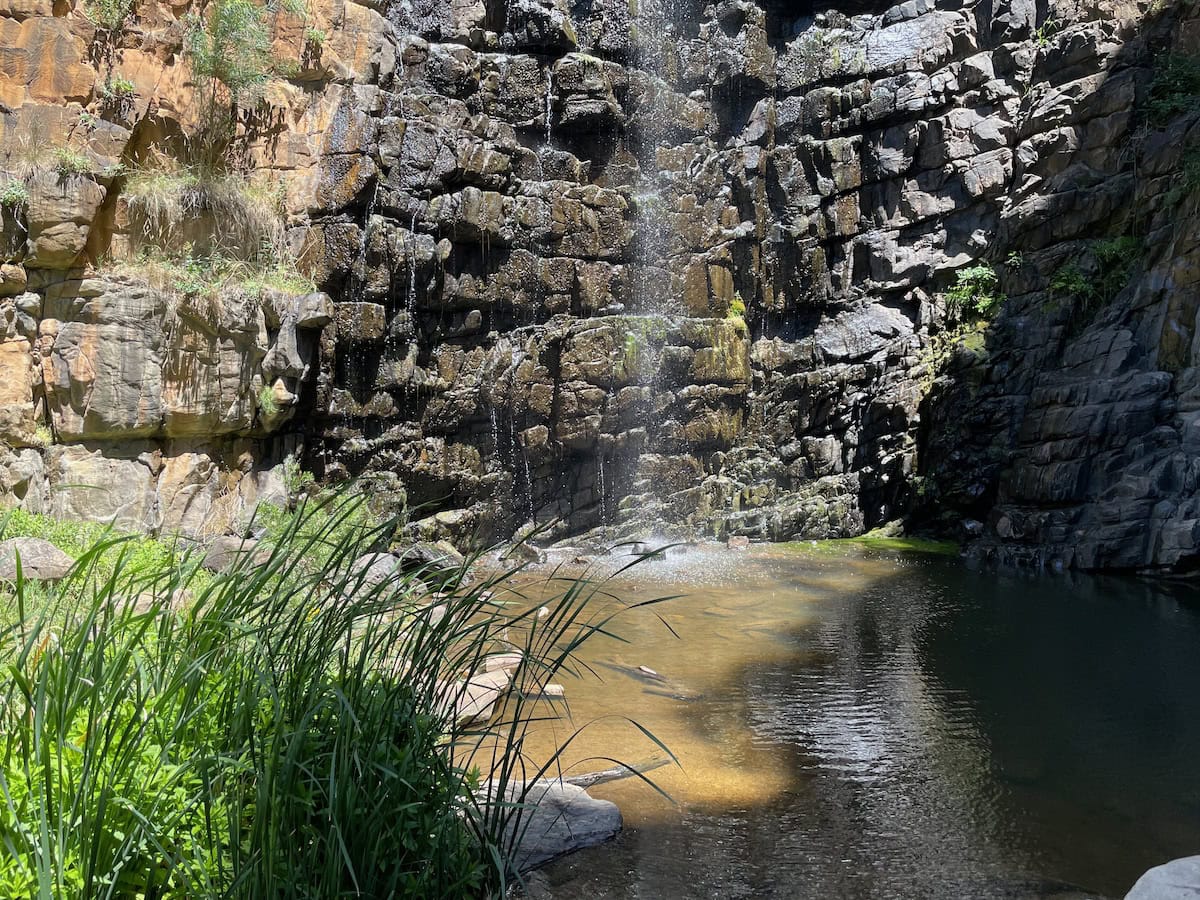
{"points": [[556, 819], [40, 560]]}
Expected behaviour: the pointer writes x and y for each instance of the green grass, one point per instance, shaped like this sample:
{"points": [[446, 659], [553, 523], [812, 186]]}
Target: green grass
{"points": [[68, 161], [879, 543], [287, 732]]}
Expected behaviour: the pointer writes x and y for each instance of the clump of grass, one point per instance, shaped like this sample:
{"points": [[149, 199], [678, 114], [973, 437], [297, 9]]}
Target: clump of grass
{"points": [[67, 161], [737, 307], [207, 278], [246, 220], [291, 731], [314, 37]]}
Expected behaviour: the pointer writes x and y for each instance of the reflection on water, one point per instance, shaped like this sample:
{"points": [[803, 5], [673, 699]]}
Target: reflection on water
{"points": [[877, 726]]}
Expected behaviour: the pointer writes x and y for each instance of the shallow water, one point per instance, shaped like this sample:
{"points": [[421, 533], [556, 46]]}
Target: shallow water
{"points": [[867, 724]]}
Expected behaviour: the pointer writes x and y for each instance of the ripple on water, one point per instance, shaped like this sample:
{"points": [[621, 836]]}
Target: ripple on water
{"points": [[883, 726]]}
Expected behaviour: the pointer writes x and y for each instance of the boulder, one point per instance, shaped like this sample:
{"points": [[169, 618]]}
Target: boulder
{"points": [[558, 818], [226, 552], [1177, 880], [40, 560]]}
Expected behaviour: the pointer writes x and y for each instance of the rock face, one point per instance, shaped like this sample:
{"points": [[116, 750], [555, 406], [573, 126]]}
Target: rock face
{"points": [[1176, 880], [669, 265]]}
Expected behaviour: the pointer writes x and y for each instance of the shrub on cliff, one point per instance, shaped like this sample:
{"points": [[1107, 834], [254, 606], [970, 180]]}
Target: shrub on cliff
{"points": [[1175, 89], [976, 292]]}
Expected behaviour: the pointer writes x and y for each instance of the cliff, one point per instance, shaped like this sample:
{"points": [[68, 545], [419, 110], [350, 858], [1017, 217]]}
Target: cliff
{"points": [[659, 265]]}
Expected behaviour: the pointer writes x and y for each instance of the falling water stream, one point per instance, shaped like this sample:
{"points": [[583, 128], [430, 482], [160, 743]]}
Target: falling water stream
{"points": [[860, 724]]}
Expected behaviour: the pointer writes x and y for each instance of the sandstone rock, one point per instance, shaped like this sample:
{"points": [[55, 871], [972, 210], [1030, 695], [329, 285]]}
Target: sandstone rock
{"points": [[108, 484], [103, 362], [40, 560], [61, 209]]}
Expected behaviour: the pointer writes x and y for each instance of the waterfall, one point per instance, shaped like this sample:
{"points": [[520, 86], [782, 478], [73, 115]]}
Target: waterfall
{"points": [[549, 104], [658, 29]]}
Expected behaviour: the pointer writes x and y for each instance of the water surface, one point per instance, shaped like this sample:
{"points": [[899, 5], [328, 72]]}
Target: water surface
{"points": [[864, 724]]}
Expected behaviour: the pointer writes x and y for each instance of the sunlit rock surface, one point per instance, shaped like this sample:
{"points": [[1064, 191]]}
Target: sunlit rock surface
{"points": [[601, 265]]}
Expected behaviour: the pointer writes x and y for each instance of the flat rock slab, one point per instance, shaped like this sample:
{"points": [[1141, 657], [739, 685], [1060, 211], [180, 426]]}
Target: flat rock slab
{"points": [[1177, 880], [558, 818], [40, 560]]}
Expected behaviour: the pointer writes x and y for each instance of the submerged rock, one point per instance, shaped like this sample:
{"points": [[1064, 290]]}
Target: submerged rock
{"points": [[40, 560]]}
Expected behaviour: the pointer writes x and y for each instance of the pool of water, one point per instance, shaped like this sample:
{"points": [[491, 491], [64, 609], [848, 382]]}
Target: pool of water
{"points": [[863, 724]]}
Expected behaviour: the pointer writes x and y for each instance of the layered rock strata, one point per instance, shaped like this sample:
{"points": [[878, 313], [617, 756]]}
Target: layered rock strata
{"points": [[669, 265]]}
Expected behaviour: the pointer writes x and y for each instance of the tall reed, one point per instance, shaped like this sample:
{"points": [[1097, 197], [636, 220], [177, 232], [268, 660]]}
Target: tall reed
{"points": [[288, 728]]}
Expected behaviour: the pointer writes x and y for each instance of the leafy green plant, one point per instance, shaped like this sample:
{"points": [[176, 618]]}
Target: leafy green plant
{"points": [[1187, 178], [296, 480], [13, 193], [266, 401], [737, 307], [248, 740], [231, 49], [314, 37], [1175, 89], [976, 292], [111, 15], [68, 161], [1069, 281], [1112, 262], [119, 87], [1046, 31]]}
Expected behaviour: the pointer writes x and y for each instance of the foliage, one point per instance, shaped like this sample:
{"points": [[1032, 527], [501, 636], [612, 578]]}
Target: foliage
{"points": [[976, 292], [266, 401], [1175, 89], [1069, 281], [1112, 262], [314, 37], [67, 161], [231, 48], [14, 193], [1046, 32], [110, 15], [136, 555], [119, 87], [737, 308], [1187, 179], [296, 480], [209, 277], [251, 741], [246, 219]]}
